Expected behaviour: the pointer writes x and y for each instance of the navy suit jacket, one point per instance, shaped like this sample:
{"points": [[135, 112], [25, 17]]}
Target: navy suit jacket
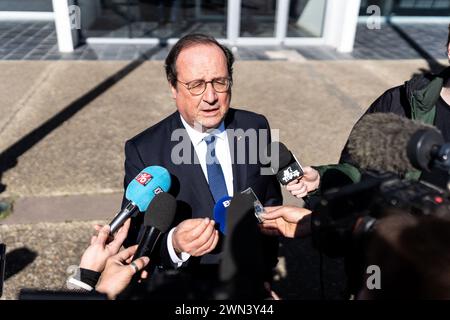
{"points": [[189, 185]]}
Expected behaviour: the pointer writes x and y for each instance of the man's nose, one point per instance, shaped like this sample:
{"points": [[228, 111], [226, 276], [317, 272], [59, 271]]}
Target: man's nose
{"points": [[210, 95]]}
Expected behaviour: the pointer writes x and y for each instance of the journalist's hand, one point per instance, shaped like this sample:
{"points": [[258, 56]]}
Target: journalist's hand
{"points": [[286, 221], [308, 182], [119, 272], [101, 248]]}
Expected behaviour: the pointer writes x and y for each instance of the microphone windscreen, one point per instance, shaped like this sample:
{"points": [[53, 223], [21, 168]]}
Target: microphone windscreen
{"points": [[281, 152], [379, 142], [148, 183], [220, 213], [161, 212]]}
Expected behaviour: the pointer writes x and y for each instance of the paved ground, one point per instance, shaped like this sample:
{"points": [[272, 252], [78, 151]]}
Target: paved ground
{"points": [[41, 255]]}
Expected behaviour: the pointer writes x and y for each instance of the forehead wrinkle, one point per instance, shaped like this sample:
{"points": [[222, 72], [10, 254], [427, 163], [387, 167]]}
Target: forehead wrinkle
{"points": [[201, 62]]}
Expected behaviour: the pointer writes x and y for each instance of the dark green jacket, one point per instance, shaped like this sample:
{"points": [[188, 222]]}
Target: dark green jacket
{"points": [[415, 99]]}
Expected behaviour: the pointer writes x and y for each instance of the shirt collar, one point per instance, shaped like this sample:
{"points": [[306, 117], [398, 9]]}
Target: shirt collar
{"points": [[197, 136]]}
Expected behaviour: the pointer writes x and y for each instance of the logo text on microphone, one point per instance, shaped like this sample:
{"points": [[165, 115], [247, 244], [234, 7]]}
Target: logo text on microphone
{"points": [[144, 178]]}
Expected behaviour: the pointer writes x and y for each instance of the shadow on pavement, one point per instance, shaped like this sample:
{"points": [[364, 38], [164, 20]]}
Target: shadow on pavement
{"points": [[9, 157], [433, 65], [17, 260]]}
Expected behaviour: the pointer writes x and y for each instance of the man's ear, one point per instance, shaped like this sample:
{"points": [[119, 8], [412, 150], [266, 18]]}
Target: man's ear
{"points": [[174, 91]]}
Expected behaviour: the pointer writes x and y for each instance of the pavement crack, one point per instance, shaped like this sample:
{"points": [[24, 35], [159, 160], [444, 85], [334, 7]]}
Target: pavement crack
{"points": [[28, 96]]}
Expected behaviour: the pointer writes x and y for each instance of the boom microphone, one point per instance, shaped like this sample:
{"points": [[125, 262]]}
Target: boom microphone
{"points": [[140, 192], [287, 168], [379, 142], [157, 220]]}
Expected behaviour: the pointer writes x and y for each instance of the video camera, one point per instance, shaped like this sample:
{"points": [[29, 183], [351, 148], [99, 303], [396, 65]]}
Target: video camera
{"points": [[344, 216]]}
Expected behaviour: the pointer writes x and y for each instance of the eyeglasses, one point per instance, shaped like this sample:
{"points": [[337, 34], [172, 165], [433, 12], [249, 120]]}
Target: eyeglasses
{"points": [[197, 87]]}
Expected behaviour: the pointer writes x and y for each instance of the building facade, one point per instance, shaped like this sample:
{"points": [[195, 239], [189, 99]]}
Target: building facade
{"points": [[233, 22]]}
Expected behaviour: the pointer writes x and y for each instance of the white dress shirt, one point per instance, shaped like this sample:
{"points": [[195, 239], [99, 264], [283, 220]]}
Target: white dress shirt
{"points": [[223, 155]]}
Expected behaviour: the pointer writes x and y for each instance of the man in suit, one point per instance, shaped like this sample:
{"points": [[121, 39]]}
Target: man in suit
{"points": [[199, 71]]}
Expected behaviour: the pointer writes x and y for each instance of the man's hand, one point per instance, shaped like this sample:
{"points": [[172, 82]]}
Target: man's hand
{"points": [[118, 272], [95, 256], [287, 221], [195, 236], [308, 182]]}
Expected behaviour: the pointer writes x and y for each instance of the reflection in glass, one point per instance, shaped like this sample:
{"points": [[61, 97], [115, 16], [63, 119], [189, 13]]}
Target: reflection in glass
{"points": [[26, 5], [154, 18], [306, 18], [258, 18], [408, 7]]}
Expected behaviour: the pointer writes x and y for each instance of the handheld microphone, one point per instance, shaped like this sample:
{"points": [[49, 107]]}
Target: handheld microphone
{"points": [[220, 213], [157, 220], [287, 168], [140, 192], [240, 270]]}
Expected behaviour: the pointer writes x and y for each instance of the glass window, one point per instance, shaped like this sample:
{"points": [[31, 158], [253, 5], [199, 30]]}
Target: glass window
{"points": [[258, 18], [155, 18], [26, 5], [408, 7], [306, 18]]}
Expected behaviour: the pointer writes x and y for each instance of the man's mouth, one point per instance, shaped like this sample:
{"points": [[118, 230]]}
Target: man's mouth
{"points": [[210, 111]]}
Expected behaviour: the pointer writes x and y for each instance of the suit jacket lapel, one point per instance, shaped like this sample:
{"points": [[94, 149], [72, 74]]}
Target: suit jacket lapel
{"points": [[193, 173]]}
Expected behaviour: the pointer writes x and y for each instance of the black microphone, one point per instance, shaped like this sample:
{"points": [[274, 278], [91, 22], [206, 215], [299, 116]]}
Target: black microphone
{"points": [[380, 142], [157, 220], [240, 271], [283, 163]]}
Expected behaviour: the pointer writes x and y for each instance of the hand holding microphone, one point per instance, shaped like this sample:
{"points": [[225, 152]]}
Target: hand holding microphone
{"points": [[119, 272], [302, 186], [299, 181], [95, 256]]}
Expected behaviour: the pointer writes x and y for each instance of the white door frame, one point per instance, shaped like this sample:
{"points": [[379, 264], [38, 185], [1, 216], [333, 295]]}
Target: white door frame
{"points": [[339, 27], [280, 34]]}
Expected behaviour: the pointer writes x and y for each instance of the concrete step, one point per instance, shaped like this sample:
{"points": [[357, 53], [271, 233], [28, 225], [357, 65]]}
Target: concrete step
{"points": [[64, 208]]}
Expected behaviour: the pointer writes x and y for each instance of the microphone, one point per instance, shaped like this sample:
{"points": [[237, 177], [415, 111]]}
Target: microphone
{"points": [[141, 191], [240, 269], [157, 220], [380, 142], [220, 213], [287, 168]]}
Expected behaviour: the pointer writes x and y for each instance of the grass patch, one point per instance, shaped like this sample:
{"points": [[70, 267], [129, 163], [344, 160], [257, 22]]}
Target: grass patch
{"points": [[6, 208]]}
